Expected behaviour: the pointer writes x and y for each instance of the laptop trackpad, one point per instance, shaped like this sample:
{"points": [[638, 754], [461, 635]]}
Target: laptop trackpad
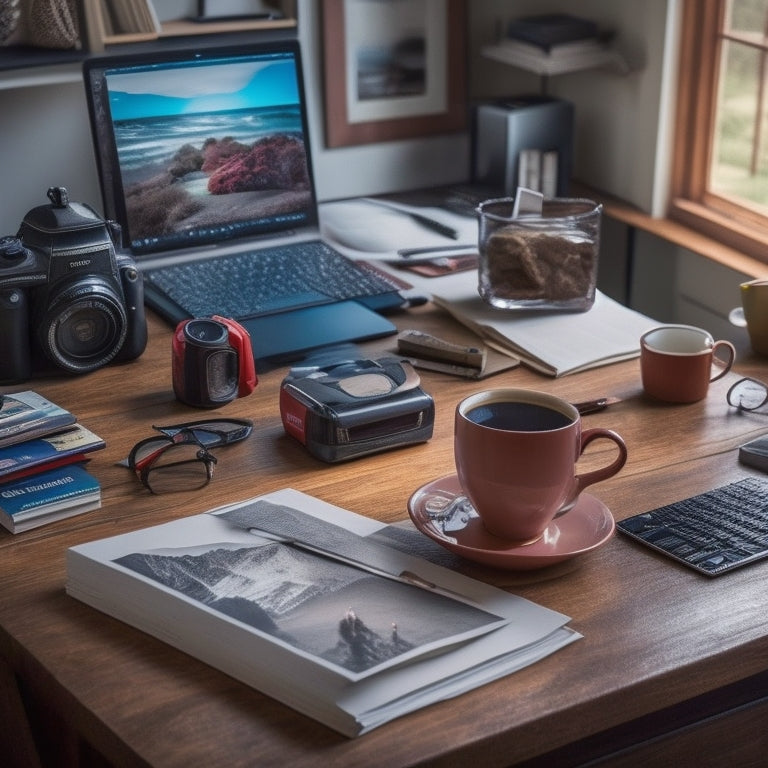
{"points": [[299, 330]]}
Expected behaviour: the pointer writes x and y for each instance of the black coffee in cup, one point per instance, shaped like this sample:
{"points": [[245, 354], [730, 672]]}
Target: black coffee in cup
{"points": [[518, 417]]}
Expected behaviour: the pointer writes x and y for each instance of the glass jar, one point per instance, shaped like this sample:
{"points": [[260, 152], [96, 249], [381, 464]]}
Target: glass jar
{"points": [[545, 260]]}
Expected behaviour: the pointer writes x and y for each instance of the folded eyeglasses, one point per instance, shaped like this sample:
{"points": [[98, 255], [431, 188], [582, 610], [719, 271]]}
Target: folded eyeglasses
{"points": [[748, 394], [179, 458]]}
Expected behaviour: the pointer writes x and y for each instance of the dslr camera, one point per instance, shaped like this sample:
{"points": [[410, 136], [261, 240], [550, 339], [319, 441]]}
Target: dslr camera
{"points": [[68, 298]]}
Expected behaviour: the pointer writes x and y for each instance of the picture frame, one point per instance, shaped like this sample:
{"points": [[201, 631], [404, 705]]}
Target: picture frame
{"points": [[393, 69]]}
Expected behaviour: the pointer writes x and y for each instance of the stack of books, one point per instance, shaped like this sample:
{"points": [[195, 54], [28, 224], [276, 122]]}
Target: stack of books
{"points": [[42, 453], [554, 44], [321, 608]]}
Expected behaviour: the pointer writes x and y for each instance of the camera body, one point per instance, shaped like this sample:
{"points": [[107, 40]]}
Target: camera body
{"points": [[67, 298], [212, 362], [352, 408]]}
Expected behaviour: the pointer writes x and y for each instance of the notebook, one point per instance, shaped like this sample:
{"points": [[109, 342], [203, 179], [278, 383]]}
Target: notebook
{"points": [[204, 161]]}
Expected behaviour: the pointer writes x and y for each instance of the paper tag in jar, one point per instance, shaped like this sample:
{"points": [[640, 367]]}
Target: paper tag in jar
{"points": [[527, 201]]}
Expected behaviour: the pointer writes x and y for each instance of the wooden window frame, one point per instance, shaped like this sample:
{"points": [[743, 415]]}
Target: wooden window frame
{"points": [[692, 204]]}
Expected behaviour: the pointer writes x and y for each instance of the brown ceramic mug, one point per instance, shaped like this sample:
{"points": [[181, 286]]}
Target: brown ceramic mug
{"points": [[516, 452], [678, 362]]}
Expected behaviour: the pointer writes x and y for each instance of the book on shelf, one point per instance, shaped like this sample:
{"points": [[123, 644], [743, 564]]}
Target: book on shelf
{"points": [[553, 343], [529, 169], [26, 415], [320, 608], [119, 21], [538, 170], [48, 452], [42, 498], [550, 29], [558, 58]]}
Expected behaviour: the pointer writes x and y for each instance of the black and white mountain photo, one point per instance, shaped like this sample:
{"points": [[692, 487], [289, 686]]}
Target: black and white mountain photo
{"points": [[346, 616]]}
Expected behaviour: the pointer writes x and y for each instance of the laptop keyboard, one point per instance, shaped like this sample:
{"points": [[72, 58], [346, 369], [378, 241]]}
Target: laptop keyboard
{"points": [[713, 532], [250, 284]]}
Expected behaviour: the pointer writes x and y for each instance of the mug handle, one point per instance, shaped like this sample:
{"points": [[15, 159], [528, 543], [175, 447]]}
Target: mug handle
{"points": [[596, 475], [725, 365]]}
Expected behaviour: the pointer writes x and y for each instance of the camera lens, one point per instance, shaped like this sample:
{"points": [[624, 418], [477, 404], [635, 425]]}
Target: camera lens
{"points": [[205, 332], [84, 327]]}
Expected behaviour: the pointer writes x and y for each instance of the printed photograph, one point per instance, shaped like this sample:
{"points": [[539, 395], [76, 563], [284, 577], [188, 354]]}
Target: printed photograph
{"points": [[401, 69], [393, 63], [345, 616]]}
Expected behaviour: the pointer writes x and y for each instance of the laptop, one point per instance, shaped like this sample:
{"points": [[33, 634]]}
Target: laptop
{"points": [[204, 161]]}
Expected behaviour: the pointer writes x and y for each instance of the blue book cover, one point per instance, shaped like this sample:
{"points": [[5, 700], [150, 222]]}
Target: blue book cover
{"points": [[44, 453], [25, 415], [46, 493]]}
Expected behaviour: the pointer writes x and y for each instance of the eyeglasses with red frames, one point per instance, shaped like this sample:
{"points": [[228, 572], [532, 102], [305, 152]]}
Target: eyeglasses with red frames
{"points": [[179, 458]]}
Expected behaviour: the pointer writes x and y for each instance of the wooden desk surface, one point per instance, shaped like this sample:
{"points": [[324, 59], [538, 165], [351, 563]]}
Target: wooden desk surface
{"points": [[655, 633]]}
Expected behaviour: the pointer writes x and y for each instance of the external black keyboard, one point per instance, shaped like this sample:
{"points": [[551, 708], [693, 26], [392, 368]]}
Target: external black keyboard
{"points": [[250, 284], [713, 532]]}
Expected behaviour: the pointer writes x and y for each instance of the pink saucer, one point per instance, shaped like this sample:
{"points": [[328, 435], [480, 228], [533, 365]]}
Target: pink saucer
{"points": [[587, 526]]}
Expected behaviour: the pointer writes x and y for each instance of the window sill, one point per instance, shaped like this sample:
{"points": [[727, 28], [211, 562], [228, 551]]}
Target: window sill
{"points": [[680, 234]]}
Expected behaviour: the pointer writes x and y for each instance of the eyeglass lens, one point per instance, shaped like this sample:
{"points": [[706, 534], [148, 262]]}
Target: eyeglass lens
{"points": [[748, 394], [215, 432], [166, 466], [178, 459]]}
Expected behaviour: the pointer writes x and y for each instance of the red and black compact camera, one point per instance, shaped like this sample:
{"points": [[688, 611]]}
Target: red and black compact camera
{"points": [[212, 362], [352, 408]]}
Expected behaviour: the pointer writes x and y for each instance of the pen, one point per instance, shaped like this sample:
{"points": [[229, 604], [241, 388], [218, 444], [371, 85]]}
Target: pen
{"points": [[437, 250], [435, 226], [593, 406], [426, 221]]}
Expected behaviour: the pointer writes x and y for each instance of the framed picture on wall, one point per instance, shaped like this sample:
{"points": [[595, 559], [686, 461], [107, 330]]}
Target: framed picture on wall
{"points": [[393, 69]]}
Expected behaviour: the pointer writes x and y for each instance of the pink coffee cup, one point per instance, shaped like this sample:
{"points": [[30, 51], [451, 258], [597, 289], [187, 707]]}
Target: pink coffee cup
{"points": [[516, 452], [678, 362]]}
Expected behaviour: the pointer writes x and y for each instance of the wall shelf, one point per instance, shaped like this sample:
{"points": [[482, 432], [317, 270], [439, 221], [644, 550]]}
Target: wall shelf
{"points": [[26, 56], [25, 65], [35, 69], [132, 21], [559, 61]]}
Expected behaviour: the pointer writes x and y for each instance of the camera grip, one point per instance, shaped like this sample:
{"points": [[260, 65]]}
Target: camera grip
{"points": [[133, 292], [14, 340]]}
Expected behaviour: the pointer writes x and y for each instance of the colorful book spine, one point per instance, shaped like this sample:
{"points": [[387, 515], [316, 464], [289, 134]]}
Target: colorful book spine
{"points": [[44, 453], [26, 415], [31, 500]]}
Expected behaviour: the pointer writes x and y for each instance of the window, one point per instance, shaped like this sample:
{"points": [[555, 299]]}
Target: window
{"points": [[720, 177]]}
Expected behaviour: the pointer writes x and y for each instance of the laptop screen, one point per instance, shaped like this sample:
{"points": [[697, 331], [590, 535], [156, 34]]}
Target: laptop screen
{"points": [[200, 146]]}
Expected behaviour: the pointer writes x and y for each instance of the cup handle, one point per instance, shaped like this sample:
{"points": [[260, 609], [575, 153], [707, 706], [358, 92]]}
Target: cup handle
{"points": [[723, 364], [596, 475]]}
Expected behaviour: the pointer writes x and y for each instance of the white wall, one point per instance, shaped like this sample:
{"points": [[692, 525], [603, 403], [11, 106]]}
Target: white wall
{"points": [[45, 139], [621, 132], [622, 122], [383, 167]]}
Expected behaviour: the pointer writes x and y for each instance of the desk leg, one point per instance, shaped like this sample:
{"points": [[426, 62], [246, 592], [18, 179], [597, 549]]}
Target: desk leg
{"points": [[16, 743]]}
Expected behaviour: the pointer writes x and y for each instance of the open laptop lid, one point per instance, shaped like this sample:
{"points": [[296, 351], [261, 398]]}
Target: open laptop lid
{"points": [[186, 151]]}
